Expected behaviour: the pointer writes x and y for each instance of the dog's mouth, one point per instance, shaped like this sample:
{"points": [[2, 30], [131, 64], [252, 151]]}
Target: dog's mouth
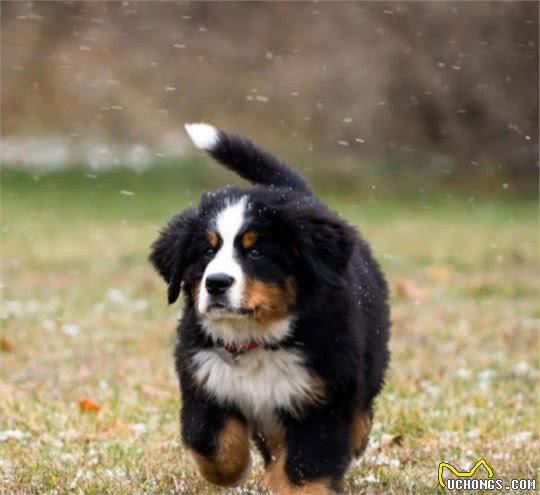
{"points": [[220, 310]]}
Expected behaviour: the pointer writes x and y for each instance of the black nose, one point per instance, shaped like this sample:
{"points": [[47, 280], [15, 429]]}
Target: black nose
{"points": [[218, 283]]}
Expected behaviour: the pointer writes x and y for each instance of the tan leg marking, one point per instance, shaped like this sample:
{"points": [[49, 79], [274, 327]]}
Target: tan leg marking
{"points": [[360, 433], [277, 481], [274, 443], [229, 464]]}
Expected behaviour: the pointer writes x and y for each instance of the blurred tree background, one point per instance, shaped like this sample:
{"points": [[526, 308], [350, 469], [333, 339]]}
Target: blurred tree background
{"points": [[404, 96]]}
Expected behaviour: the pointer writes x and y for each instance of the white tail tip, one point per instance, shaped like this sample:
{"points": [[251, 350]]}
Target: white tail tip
{"points": [[204, 136]]}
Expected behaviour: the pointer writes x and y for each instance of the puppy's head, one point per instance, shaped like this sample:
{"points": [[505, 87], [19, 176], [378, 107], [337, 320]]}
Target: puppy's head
{"points": [[246, 254]]}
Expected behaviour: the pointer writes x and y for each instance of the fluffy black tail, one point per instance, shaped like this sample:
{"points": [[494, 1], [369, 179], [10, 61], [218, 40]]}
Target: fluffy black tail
{"points": [[244, 158]]}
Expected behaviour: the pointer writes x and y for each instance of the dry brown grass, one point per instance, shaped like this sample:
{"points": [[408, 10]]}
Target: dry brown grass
{"points": [[85, 316]]}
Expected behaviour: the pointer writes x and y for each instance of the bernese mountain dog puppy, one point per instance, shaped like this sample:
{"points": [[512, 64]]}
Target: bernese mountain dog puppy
{"points": [[284, 335]]}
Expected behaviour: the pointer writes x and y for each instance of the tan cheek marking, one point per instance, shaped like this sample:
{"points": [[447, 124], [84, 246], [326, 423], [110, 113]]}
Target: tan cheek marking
{"points": [[360, 433], [277, 481], [248, 239], [270, 302], [228, 465], [212, 239]]}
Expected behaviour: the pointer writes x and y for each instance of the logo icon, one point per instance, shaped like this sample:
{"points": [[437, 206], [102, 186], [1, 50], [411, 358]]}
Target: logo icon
{"points": [[463, 474]]}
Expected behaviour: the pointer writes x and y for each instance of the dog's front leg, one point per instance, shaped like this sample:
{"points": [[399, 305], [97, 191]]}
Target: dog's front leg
{"points": [[217, 440]]}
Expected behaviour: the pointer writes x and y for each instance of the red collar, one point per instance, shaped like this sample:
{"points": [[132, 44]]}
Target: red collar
{"points": [[241, 348]]}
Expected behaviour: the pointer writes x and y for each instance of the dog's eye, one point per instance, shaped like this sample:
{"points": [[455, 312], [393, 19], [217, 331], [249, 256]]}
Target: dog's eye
{"points": [[209, 252], [254, 254]]}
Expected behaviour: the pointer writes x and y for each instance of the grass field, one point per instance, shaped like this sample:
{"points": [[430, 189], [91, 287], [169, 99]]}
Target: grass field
{"points": [[84, 316]]}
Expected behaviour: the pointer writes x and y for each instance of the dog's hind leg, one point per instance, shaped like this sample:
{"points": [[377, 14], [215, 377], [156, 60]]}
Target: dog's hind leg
{"points": [[360, 430]]}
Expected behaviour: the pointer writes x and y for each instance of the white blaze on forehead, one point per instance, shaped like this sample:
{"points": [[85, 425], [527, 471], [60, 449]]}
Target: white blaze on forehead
{"points": [[228, 223], [230, 220]]}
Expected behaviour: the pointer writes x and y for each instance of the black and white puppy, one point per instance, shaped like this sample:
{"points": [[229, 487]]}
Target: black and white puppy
{"points": [[284, 336]]}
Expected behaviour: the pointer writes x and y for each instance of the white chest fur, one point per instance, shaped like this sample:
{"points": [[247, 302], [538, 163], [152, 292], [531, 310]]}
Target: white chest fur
{"points": [[259, 383]]}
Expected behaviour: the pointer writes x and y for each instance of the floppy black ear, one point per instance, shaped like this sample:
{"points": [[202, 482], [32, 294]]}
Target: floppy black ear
{"points": [[323, 240], [168, 252]]}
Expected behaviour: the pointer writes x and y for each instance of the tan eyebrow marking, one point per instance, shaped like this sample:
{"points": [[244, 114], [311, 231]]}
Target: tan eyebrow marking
{"points": [[212, 238], [248, 239]]}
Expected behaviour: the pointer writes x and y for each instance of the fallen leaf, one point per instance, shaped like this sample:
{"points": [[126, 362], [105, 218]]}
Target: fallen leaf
{"points": [[87, 404], [408, 291], [5, 344], [389, 440]]}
